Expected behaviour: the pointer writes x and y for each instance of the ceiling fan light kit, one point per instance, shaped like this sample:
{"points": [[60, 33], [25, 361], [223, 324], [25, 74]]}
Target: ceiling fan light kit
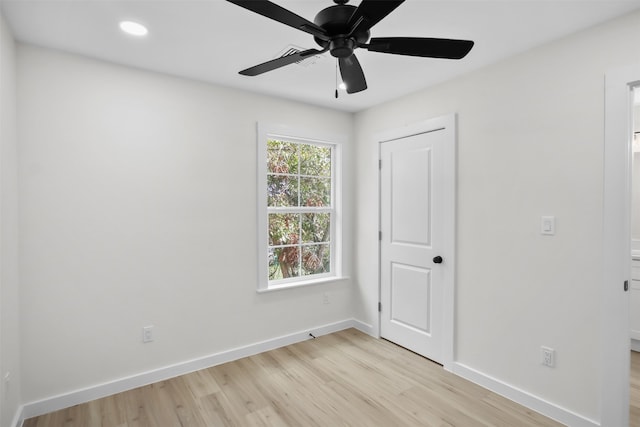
{"points": [[341, 29]]}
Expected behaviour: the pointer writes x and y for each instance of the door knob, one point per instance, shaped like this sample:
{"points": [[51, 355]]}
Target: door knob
{"points": [[437, 260]]}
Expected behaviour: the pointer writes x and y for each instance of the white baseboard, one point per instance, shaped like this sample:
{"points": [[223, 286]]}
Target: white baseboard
{"points": [[18, 418], [523, 398], [55, 403], [364, 328]]}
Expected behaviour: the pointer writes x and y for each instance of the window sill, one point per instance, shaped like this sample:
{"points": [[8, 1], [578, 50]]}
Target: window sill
{"points": [[304, 283]]}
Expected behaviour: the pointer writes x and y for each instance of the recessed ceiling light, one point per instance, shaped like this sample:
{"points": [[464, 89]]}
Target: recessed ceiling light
{"points": [[133, 28]]}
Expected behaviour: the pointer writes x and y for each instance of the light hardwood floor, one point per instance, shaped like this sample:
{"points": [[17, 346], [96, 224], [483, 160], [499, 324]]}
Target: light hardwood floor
{"points": [[343, 379]]}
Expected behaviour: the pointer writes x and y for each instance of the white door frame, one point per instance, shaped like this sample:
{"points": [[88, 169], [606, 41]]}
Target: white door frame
{"points": [[614, 393], [449, 224]]}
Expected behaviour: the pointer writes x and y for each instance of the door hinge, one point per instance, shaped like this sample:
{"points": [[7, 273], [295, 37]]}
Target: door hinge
{"points": [[626, 285], [379, 307], [380, 235]]}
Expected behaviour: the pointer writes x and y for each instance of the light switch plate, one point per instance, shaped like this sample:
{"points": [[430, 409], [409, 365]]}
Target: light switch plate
{"points": [[548, 225]]}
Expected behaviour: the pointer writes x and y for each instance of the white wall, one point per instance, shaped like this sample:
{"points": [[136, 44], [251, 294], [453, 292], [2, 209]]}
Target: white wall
{"points": [[531, 135], [9, 294], [138, 207]]}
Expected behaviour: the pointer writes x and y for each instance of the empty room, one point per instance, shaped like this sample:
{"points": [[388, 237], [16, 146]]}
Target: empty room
{"points": [[324, 213]]}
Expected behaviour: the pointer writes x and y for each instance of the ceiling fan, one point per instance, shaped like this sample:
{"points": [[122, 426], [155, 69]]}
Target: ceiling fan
{"points": [[342, 28]]}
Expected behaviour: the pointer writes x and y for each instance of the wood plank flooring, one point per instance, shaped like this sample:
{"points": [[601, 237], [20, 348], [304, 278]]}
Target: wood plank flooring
{"points": [[343, 379]]}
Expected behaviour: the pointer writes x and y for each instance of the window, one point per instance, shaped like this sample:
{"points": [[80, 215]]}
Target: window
{"points": [[298, 210]]}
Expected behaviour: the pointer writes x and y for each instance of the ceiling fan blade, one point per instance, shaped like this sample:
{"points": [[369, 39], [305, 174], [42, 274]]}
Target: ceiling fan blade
{"points": [[280, 62], [370, 12], [282, 15], [425, 47], [352, 74]]}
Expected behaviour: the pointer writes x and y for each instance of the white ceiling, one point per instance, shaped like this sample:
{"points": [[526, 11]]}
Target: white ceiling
{"points": [[211, 40]]}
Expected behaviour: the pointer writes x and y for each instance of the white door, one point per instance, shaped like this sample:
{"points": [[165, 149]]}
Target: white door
{"points": [[417, 215]]}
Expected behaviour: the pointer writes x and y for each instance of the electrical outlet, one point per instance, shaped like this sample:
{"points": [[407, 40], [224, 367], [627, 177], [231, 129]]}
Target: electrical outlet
{"points": [[548, 356], [548, 225], [147, 334], [325, 298]]}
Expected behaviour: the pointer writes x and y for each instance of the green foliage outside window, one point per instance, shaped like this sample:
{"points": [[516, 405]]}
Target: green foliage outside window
{"points": [[299, 202]]}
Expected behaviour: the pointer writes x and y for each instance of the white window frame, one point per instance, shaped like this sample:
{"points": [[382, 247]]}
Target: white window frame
{"points": [[270, 131]]}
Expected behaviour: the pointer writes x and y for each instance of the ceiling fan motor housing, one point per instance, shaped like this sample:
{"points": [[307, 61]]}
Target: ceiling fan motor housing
{"points": [[334, 20]]}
